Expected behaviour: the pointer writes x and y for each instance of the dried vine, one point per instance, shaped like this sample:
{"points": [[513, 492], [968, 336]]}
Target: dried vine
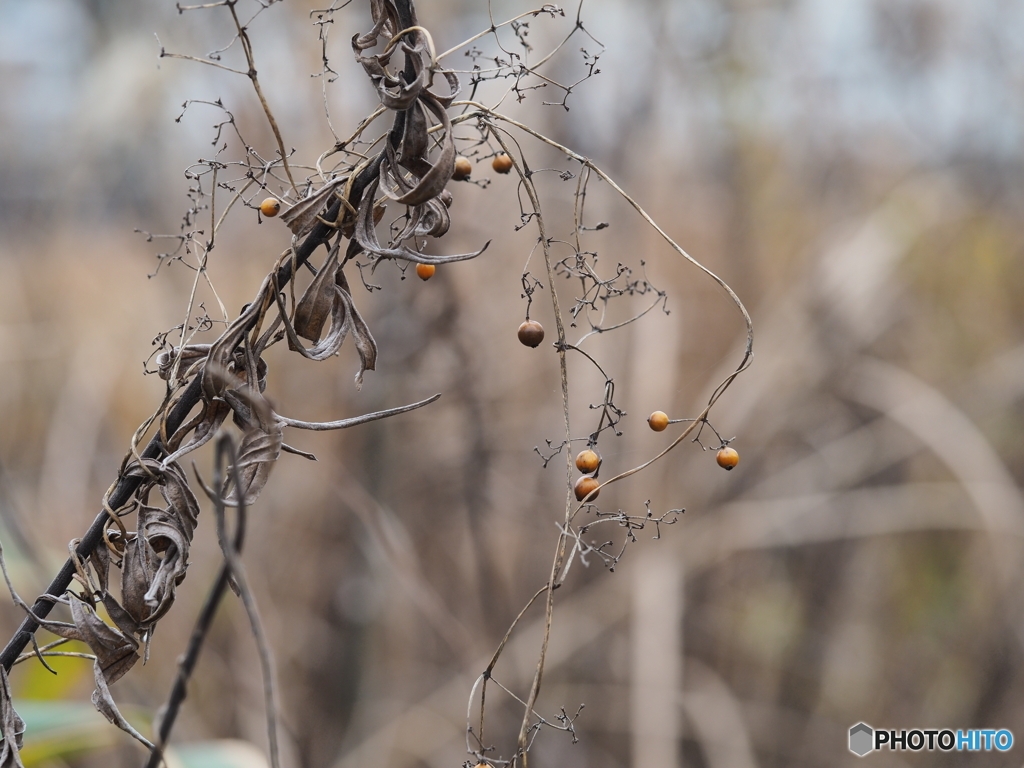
{"points": [[211, 385]]}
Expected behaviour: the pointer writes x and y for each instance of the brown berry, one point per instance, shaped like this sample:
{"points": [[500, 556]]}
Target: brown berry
{"points": [[658, 421], [727, 457], [463, 168], [584, 486], [425, 271], [587, 461], [502, 163], [446, 198], [270, 207], [531, 333]]}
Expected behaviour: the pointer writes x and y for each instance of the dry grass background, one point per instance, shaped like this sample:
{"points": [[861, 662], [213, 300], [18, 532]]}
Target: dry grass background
{"points": [[863, 561]]}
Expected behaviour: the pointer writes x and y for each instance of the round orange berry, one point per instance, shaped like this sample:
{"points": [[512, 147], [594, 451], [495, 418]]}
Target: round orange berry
{"points": [[425, 271], [270, 207], [727, 457], [584, 486], [531, 333], [463, 168], [658, 421], [502, 163], [587, 461]]}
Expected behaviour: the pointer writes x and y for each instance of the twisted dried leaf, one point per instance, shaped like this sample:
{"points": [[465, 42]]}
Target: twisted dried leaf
{"points": [[115, 651], [104, 703], [203, 427], [434, 177], [156, 558], [366, 236], [188, 355], [261, 443], [344, 318], [318, 300], [301, 217], [222, 350], [12, 725]]}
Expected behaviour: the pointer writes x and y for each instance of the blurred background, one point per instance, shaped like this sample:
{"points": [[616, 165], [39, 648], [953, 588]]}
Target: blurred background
{"points": [[852, 168]]}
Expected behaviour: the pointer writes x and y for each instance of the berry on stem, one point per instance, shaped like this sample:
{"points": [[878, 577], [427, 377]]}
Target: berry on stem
{"points": [[502, 163], [727, 457], [463, 168], [584, 486], [658, 421], [587, 461], [531, 333], [425, 271], [270, 207]]}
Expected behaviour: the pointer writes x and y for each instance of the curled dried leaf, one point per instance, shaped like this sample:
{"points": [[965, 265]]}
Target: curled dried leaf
{"points": [[156, 558], [344, 318], [12, 725], [366, 236], [315, 307], [301, 217], [433, 178], [261, 443], [104, 703], [188, 356], [203, 427]]}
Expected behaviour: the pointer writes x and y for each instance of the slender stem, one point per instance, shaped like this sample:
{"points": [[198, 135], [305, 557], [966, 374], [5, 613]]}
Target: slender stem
{"points": [[561, 345]]}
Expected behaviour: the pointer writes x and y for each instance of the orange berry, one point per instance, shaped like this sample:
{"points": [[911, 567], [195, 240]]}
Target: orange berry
{"points": [[502, 163], [658, 421], [270, 207], [531, 333], [425, 271], [587, 461], [727, 457], [463, 168], [584, 486]]}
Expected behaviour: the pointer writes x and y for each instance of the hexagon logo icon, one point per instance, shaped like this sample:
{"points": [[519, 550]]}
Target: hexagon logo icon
{"points": [[862, 739]]}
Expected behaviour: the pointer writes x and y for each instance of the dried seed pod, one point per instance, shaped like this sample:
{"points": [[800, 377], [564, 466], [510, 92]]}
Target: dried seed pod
{"points": [[584, 486], [425, 271], [531, 333], [658, 421], [502, 163], [587, 461], [727, 458], [270, 207], [463, 168]]}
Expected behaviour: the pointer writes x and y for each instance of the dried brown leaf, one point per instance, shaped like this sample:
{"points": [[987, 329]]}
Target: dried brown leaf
{"points": [[317, 302], [12, 726], [301, 217], [104, 703]]}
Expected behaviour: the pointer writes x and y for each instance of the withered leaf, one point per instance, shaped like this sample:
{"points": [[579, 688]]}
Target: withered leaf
{"points": [[366, 236], [104, 703], [190, 354], [434, 180], [156, 558], [215, 378], [209, 421], [301, 217], [12, 725], [115, 652], [314, 308]]}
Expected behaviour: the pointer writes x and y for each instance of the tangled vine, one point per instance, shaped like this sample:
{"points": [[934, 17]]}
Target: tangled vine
{"points": [[340, 207]]}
